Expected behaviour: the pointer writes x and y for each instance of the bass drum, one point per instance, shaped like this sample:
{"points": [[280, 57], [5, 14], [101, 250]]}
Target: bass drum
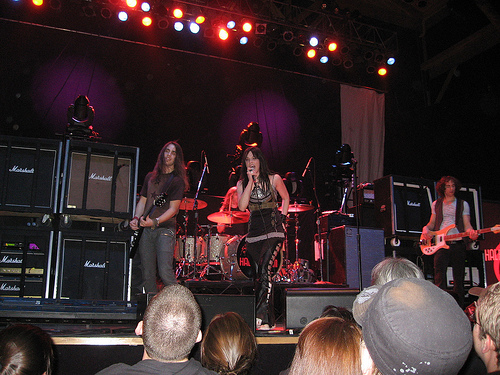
{"points": [[236, 264]]}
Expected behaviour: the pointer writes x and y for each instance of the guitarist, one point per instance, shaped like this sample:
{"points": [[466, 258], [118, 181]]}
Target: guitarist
{"points": [[447, 210], [157, 242]]}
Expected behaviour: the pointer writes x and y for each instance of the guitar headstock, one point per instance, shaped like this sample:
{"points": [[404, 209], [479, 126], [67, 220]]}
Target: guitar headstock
{"points": [[161, 200], [496, 228]]}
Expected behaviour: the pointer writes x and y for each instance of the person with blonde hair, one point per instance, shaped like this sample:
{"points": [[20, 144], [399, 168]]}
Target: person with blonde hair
{"points": [[328, 345], [229, 345], [394, 268]]}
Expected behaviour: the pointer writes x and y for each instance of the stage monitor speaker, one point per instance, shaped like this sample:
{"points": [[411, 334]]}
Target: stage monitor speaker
{"points": [[91, 266], [403, 205], [25, 262], [29, 174], [343, 255], [213, 304], [100, 179], [303, 305]]}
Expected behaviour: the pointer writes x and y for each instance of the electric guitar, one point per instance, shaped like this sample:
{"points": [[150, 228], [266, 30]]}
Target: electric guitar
{"points": [[439, 239], [134, 242]]}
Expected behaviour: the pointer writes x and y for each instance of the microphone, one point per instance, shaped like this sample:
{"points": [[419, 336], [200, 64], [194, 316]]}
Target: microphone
{"points": [[307, 167], [206, 161], [251, 170]]}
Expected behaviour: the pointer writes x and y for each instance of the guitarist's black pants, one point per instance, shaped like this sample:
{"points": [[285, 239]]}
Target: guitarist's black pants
{"points": [[454, 257]]}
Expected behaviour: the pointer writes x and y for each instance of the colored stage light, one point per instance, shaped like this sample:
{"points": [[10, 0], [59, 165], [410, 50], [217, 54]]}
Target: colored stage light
{"points": [[382, 71], [313, 42], [178, 26], [178, 13], [194, 27], [147, 21], [146, 7], [38, 2], [391, 61], [223, 34], [200, 19], [311, 53], [231, 24], [323, 59], [332, 46], [247, 27], [131, 3], [123, 16], [243, 40]]}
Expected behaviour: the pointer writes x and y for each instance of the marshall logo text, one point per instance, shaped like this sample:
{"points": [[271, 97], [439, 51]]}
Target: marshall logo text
{"points": [[89, 264], [18, 169]]}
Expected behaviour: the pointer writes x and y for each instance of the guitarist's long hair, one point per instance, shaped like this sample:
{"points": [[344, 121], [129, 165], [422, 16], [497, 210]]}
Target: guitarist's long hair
{"points": [[179, 166], [441, 185]]}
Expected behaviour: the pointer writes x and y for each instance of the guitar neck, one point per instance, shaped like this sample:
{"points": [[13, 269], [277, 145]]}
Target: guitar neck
{"points": [[464, 234]]}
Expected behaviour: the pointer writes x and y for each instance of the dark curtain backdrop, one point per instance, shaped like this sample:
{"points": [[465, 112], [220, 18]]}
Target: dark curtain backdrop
{"points": [[144, 96]]}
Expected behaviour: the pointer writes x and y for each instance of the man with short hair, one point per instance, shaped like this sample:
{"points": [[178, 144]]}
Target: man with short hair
{"points": [[170, 329], [486, 332]]}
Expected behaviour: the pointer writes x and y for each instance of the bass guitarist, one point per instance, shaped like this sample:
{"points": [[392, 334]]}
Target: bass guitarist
{"points": [[157, 240], [448, 210]]}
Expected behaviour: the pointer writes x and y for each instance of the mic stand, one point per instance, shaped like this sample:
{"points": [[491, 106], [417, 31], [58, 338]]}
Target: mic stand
{"points": [[358, 229], [195, 210]]}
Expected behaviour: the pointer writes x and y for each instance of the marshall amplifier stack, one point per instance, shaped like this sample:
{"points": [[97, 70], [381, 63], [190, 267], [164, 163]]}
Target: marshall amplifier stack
{"points": [[60, 201]]}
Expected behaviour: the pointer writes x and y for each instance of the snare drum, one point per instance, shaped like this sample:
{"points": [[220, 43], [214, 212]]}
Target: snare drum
{"points": [[217, 243], [238, 265], [188, 252]]}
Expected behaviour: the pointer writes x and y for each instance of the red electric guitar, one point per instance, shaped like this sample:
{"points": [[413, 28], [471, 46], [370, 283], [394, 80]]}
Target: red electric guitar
{"points": [[439, 239]]}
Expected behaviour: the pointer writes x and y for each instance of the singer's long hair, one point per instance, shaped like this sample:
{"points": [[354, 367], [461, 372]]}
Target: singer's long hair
{"points": [[264, 171]]}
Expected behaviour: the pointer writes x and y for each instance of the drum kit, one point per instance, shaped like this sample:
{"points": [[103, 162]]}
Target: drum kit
{"points": [[215, 254]]}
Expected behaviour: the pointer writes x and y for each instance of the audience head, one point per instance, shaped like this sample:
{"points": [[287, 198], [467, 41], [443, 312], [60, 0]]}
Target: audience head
{"points": [[328, 345], [171, 325], [392, 268], [25, 350], [412, 326], [487, 327], [389, 269], [229, 345], [339, 312]]}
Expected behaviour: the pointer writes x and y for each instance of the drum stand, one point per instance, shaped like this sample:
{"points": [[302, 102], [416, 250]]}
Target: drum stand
{"points": [[206, 270], [184, 266]]}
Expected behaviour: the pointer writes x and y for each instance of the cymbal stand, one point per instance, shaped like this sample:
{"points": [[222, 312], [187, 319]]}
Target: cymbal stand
{"points": [[195, 209], [206, 271], [181, 267]]}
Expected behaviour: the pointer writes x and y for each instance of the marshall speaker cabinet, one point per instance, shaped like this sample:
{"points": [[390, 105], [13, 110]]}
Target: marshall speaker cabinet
{"points": [[403, 205], [99, 179], [92, 266], [29, 174], [25, 265]]}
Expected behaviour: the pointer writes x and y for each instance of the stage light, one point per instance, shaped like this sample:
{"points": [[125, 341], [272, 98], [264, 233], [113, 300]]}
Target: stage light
{"points": [[391, 61], [368, 55], [336, 61], [311, 53], [194, 27], [247, 26], [323, 59], [231, 24], [288, 36], [243, 40], [370, 69], [147, 21], [223, 34], [313, 42], [261, 28], [163, 23], [332, 46], [271, 45], [258, 42], [146, 7], [178, 13], [348, 64], [88, 11], [123, 16], [200, 19], [297, 51], [131, 3], [106, 13], [344, 50], [38, 3], [379, 57], [382, 71], [55, 4], [178, 26]]}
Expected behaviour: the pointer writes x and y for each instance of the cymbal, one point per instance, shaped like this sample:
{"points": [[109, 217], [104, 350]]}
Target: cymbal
{"points": [[229, 217], [298, 208], [187, 204]]}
